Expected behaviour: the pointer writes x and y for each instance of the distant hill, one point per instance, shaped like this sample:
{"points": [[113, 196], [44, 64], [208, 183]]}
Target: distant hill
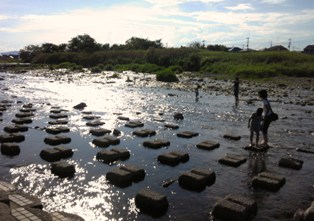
{"points": [[10, 53]]}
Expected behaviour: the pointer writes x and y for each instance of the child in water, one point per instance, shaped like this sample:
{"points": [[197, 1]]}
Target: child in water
{"points": [[255, 125]]}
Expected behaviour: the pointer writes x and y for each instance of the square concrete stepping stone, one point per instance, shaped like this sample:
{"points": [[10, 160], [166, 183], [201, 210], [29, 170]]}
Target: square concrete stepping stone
{"points": [[24, 115], [64, 151], [173, 158], [232, 137], [91, 117], [171, 126], [27, 110], [208, 145], [56, 122], [63, 169], [289, 162], [99, 131], [305, 150], [155, 144], [11, 138], [187, 134], [123, 118], [22, 214], [123, 153], [138, 173], [260, 148], [151, 202], [24, 201], [269, 181], [95, 123], [7, 187], [22, 121], [15, 128], [57, 140], [235, 208], [57, 130], [62, 216], [106, 141], [193, 181], [119, 177], [58, 116], [107, 156], [144, 133], [232, 160], [184, 157], [10, 149], [207, 173], [134, 124], [50, 155]]}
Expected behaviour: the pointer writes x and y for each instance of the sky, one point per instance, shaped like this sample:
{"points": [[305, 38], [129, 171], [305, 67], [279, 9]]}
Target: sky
{"points": [[233, 23]]}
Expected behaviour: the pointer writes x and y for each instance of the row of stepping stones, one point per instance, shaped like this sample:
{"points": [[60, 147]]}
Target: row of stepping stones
{"points": [[15, 205]]}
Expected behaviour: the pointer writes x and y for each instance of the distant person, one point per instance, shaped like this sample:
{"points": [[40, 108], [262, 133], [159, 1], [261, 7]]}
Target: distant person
{"points": [[197, 92], [236, 83], [267, 111], [255, 125]]}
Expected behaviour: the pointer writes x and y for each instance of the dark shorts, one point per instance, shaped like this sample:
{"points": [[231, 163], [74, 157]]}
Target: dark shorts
{"points": [[265, 126]]}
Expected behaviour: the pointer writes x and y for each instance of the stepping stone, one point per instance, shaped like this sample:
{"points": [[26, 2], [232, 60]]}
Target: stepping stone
{"points": [[109, 156], [151, 202], [178, 116], [291, 163], [134, 124], [57, 130], [56, 153], [56, 111], [144, 133], [10, 149], [15, 128], [58, 116], [91, 117], [10, 138], [80, 106], [62, 216], [56, 122], [95, 123], [260, 148], [87, 112], [159, 120], [6, 187], [171, 126], [106, 141], [24, 201], [63, 169], [27, 110], [173, 158], [269, 181], [120, 177], [99, 131], [187, 134], [24, 115], [138, 173], [235, 208], [208, 145], [155, 144], [123, 118], [22, 121], [57, 140], [305, 150], [197, 179], [232, 160], [232, 137]]}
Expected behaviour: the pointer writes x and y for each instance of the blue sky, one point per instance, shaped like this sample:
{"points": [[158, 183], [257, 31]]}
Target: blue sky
{"points": [[176, 22]]}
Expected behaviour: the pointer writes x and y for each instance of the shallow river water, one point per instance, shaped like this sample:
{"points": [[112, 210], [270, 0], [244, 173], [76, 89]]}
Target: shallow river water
{"points": [[89, 194]]}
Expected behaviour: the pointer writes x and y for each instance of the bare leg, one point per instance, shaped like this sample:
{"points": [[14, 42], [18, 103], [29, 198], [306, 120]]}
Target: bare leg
{"points": [[265, 142], [251, 138], [257, 138]]}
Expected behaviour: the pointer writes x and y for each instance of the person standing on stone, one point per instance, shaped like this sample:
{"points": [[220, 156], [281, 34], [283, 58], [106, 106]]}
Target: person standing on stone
{"points": [[197, 91], [236, 83], [255, 125], [266, 113]]}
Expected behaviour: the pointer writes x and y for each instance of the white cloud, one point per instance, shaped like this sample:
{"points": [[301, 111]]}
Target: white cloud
{"points": [[274, 1], [240, 7]]}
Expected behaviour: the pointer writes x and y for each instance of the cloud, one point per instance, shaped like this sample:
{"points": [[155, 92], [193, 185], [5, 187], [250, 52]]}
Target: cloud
{"points": [[274, 1], [240, 7]]}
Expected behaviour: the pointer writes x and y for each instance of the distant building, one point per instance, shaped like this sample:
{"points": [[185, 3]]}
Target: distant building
{"points": [[309, 49], [277, 48]]}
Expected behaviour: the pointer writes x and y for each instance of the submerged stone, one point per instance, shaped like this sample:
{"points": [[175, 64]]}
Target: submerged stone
{"points": [[269, 181]]}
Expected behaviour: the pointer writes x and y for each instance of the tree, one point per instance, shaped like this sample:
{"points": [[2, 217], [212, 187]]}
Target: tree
{"points": [[217, 48], [29, 52], [196, 44], [83, 43], [49, 48], [136, 43]]}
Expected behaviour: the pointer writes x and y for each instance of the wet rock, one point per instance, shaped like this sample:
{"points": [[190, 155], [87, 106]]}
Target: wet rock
{"points": [[22, 121], [95, 123], [57, 140], [178, 116], [144, 133], [116, 132], [99, 131], [134, 124], [173, 158], [155, 144], [15, 128], [232, 160], [171, 126], [269, 181], [197, 179], [11, 138], [10, 149], [151, 202], [110, 156], [56, 154], [106, 141], [235, 207], [63, 169], [57, 130], [187, 134], [80, 106], [290, 162], [232, 137], [208, 145]]}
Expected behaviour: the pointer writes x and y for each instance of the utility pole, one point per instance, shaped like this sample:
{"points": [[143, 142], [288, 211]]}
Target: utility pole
{"points": [[271, 43], [289, 45], [247, 43]]}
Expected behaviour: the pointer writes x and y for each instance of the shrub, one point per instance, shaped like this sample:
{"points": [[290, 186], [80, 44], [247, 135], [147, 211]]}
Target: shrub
{"points": [[166, 75], [96, 70]]}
